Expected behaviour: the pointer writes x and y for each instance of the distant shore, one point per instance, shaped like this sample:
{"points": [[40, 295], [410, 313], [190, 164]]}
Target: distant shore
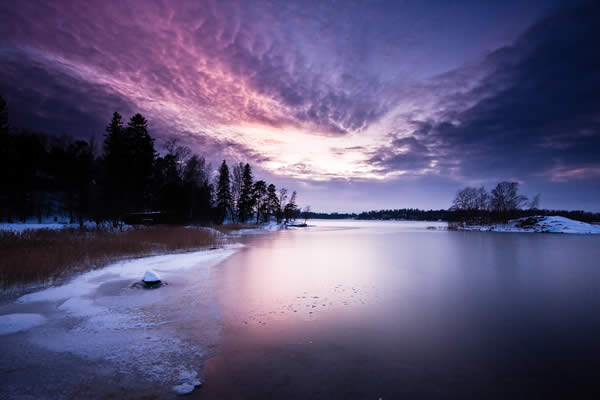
{"points": [[535, 224]]}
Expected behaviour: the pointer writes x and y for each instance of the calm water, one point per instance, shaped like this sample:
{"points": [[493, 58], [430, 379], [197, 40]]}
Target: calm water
{"points": [[365, 310]]}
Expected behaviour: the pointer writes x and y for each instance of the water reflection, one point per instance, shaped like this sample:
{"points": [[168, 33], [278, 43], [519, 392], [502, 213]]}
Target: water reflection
{"points": [[387, 309]]}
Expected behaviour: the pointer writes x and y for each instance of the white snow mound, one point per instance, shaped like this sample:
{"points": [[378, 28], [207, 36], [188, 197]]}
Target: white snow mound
{"points": [[12, 323], [151, 276]]}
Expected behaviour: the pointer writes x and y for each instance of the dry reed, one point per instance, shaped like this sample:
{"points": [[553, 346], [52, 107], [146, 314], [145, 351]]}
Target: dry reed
{"points": [[42, 255]]}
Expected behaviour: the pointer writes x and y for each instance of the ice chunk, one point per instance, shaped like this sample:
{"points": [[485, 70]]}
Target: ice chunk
{"points": [[184, 388], [190, 377]]}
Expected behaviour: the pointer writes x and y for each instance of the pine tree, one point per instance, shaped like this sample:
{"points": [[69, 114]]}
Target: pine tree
{"points": [[113, 140], [272, 200], [140, 148], [115, 168], [260, 200], [246, 198], [3, 117], [223, 200]]}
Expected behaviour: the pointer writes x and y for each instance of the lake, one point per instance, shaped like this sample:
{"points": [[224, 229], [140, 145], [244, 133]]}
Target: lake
{"points": [[341, 309], [368, 310]]}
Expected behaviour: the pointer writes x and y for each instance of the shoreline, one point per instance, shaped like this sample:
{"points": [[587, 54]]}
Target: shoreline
{"points": [[101, 316], [158, 339], [536, 224]]}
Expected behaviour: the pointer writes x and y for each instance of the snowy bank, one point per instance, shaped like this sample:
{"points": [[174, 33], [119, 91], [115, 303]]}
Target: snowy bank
{"points": [[549, 224], [161, 335], [12, 323]]}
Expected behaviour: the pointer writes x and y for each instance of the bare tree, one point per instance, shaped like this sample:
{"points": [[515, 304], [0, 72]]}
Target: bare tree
{"points": [[306, 213], [237, 181], [471, 199], [289, 211], [505, 197], [282, 203], [535, 202]]}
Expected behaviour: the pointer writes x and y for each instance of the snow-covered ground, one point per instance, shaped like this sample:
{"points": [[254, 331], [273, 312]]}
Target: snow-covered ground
{"points": [[549, 224], [107, 316]]}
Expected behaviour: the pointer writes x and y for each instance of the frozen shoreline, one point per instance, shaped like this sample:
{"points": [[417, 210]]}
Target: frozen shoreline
{"points": [[106, 316], [157, 338]]}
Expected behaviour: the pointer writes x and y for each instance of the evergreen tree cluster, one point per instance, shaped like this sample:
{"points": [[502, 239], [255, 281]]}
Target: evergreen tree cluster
{"points": [[44, 176], [241, 199]]}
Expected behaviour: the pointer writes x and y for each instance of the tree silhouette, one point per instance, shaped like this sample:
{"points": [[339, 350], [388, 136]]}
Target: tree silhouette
{"points": [[246, 195], [505, 197], [282, 203], [142, 154], [223, 196], [272, 201], [260, 200], [46, 176], [236, 189], [3, 117], [289, 211]]}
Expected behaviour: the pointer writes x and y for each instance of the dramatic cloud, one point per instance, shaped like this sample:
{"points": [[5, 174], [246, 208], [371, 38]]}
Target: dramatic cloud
{"points": [[535, 112], [317, 91]]}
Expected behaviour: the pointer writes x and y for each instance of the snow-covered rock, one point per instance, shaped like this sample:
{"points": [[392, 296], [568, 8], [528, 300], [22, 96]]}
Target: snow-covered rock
{"points": [[151, 277], [545, 224], [12, 323]]}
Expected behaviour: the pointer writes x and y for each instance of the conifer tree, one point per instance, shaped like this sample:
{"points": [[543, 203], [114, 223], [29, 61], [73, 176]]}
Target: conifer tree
{"points": [[223, 195], [246, 195], [141, 159], [272, 200], [3, 117], [260, 200]]}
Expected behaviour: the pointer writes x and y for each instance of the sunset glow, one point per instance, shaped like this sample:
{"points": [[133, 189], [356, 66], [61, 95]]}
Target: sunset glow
{"points": [[314, 92]]}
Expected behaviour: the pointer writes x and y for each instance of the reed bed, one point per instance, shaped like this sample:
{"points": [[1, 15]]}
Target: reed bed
{"points": [[42, 255]]}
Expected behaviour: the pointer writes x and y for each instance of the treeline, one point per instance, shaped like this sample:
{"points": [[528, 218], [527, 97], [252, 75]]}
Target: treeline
{"points": [[410, 214], [474, 206], [452, 215], [504, 202], [334, 215], [43, 176]]}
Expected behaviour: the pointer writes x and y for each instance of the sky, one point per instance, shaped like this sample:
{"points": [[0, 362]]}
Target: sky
{"points": [[357, 105]]}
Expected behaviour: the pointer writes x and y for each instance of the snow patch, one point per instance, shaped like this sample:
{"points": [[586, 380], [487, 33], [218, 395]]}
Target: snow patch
{"points": [[131, 269], [101, 315], [12, 323], [549, 224]]}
